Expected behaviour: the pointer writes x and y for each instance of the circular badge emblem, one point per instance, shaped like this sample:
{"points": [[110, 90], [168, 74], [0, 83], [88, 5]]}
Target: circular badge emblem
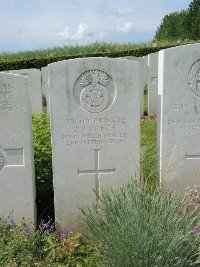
{"points": [[194, 78], [94, 96]]}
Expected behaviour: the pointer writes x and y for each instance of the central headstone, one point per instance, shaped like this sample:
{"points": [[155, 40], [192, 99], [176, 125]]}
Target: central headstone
{"points": [[95, 120]]}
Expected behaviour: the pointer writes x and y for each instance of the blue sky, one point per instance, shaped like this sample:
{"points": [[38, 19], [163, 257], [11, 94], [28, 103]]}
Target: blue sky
{"points": [[35, 24]]}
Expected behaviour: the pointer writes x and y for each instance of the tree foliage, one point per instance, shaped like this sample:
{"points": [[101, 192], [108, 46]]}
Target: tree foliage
{"points": [[181, 25]]}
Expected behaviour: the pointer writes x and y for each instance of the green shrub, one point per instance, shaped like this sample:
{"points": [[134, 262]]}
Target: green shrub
{"points": [[43, 61], [45, 246], [43, 166], [133, 227]]}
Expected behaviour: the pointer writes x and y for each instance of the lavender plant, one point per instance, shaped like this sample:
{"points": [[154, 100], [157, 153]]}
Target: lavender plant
{"points": [[193, 192], [136, 227]]}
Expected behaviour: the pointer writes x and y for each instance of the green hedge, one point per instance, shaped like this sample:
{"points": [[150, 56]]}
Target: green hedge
{"points": [[44, 61], [43, 166]]}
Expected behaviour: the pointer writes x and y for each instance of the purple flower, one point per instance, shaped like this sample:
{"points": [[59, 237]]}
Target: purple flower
{"points": [[38, 250], [71, 233], [12, 223], [44, 225], [26, 231], [32, 235], [63, 235], [196, 229], [51, 228]]}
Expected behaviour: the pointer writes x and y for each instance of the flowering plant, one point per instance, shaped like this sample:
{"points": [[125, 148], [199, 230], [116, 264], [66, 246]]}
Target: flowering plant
{"points": [[46, 245]]}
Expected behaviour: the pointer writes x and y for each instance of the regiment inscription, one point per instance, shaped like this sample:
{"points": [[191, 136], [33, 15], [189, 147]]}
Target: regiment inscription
{"points": [[96, 131]]}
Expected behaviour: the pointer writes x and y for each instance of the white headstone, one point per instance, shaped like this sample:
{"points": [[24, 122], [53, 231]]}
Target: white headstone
{"points": [[95, 121], [44, 82], [146, 69], [179, 120], [45, 86], [17, 188], [35, 85], [153, 84], [141, 61]]}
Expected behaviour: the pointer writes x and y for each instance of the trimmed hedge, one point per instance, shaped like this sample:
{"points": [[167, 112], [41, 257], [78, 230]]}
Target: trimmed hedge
{"points": [[44, 61]]}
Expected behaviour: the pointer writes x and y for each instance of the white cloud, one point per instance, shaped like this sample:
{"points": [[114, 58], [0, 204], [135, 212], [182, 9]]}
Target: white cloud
{"points": [[65, 34], [126, 28], [82, 33]]}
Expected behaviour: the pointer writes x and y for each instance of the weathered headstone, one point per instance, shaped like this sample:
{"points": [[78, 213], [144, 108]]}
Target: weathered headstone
{"points": [[179, 119], [141, 61], [95, 121], [153, 83], [44, 81], [146, 69], [35, 87], [17, 189], [45, 87]]}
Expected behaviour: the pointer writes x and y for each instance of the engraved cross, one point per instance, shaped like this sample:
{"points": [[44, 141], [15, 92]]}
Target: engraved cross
{"points": [[192, 156], [97, 171], [11, 157]]}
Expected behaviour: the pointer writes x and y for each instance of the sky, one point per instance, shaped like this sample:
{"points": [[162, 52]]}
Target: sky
{"points": [[36, 24]]}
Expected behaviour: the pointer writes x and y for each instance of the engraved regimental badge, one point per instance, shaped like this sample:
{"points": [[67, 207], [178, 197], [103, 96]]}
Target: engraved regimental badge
{"points": [[194, 78], [94, 96]]}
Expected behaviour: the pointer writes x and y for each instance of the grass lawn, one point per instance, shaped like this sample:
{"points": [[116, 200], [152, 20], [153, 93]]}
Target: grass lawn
{"points": [[149, 150]]}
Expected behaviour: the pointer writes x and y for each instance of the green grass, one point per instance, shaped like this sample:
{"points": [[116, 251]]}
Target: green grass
{"points": [[149, 151], [145, 101]]}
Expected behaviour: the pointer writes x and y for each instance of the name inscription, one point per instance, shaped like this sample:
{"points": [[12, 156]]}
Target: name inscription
{"points": [[95, 131]]}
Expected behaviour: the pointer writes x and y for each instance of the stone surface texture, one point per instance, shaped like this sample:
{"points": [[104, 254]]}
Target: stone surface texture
{"points": [[95, 121], [179, 119], [146, 69], [141, 61], [35, 87], [44, 81], [152, 84], [17, 187]]}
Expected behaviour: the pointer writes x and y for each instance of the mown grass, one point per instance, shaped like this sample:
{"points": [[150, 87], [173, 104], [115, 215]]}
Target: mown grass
{"points": [[145, 100], [149, 171]]}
